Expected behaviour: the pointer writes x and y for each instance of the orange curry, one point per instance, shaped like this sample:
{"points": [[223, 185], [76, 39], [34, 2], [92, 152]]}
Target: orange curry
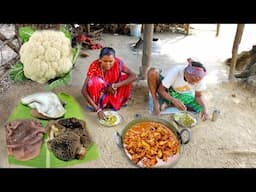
{"points": [[150, 141]]}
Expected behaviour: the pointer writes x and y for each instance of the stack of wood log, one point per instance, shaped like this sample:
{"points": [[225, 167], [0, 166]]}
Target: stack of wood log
{"points": [[94, 30], [40, 26], [158, 28], [123, 29], [246, 66], [175, 28], [9, 48]]}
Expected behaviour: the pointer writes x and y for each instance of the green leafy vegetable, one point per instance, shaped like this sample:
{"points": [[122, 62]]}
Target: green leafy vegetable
{"points": [[77, 49], [25, 33], [66, 32], [60, 81], [76, 52], [17, 73]]}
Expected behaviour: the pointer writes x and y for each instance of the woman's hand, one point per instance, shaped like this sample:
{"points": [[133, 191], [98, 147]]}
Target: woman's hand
{"points": [[204, 114], [101, 115], [177, 103], [111, 89]]}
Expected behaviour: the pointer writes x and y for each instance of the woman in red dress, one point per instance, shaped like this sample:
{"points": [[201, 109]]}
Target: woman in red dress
{"points": [[108, 82]]}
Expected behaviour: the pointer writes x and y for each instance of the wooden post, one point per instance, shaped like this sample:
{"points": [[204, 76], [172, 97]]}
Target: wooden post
{"points": [[147, 47], [187, 28], [217, 30], [237, 40], [88, 28]]}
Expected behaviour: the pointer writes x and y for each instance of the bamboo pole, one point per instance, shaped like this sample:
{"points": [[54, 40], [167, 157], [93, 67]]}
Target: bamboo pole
{"points": [[187, 28], [88, 28], [237, 40], [218, 30], [9, 43], [147, 47]]}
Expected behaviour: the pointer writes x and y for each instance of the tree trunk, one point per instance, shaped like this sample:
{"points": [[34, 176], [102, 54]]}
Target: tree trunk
{"points": [[237, 40], [147, 46]]}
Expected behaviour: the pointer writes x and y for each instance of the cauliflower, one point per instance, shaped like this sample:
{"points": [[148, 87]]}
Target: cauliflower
{"points": [[48, 54]]}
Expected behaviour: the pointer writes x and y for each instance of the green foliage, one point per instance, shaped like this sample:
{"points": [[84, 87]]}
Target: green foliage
{"points": [[17, 73], [76, 52], [60, 81], [77, 49], [66, 32], [25, 33]]}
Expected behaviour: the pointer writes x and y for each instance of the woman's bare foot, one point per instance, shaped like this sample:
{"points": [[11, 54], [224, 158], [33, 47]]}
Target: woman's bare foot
{"points": [[163, 106], [156, 110]]}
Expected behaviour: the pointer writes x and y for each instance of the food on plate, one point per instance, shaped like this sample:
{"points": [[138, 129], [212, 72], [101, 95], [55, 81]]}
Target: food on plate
{"points": [[68, 138], [45, 105], [113, 118], [110, 120], [24, 138], [149, 143], [185, 119]]}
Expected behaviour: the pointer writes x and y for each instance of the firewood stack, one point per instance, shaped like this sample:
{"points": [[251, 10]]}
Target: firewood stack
{"points": [[40, 26], [176, 28], [158, 28], [9, 48], [246, 66], [123, 29]]}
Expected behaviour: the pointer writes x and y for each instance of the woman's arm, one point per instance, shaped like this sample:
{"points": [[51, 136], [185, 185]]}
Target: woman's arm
{"points": [[84, 92], [87, 96], [132, 77], [200, 100], [164, 94]]}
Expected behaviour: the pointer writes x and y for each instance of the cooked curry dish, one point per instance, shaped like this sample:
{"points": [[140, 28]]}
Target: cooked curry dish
{"points": [[150, 142]]}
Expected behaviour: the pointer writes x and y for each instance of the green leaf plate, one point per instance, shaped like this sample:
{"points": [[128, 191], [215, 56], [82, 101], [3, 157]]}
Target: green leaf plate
{"points": [[46, 158]]}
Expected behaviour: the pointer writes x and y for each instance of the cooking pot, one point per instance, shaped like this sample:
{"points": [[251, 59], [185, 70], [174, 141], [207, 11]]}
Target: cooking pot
{"points": [[119, 139]]}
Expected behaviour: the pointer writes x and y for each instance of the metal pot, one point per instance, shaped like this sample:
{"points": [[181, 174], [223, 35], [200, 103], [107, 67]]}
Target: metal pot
{"points": [[170, 124]]}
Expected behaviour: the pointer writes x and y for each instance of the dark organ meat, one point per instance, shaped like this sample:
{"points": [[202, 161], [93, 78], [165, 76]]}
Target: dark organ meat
{"points": [[24, 138], [68, 138]]}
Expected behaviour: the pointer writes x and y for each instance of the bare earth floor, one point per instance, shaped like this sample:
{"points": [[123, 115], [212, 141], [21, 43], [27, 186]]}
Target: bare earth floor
{"points": [[228, 142]]}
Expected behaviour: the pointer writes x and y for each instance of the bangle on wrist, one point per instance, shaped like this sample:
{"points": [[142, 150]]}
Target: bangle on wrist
{"points": [[98, 110]]}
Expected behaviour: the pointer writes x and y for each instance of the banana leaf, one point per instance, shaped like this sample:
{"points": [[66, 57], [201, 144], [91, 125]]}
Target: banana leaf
{"points": [[46, 158]]}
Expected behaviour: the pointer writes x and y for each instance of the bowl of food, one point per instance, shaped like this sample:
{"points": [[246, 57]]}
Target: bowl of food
{"points": [[185, 119], [152, 142]]}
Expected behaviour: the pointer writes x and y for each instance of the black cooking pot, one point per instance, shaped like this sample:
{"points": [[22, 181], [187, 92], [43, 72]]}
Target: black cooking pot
{"points": [[170, 124]]}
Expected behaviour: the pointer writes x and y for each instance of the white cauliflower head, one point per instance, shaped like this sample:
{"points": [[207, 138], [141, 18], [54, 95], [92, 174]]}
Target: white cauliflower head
{"points": [[47, 54]]}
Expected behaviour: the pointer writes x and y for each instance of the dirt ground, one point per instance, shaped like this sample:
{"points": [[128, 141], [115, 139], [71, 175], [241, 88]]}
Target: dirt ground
{"points": [[228, 142]]}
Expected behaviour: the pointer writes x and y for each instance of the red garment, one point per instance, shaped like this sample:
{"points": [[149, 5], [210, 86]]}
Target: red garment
{"points": [[97, 84]]}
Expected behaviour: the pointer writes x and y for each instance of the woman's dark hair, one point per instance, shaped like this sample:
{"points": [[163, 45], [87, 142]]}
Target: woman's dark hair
{"points": [[198, 64], [107, 51]]}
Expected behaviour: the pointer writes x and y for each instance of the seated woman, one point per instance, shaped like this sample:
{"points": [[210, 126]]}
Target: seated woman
{"points": [[182, 87], [108, 82]]}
